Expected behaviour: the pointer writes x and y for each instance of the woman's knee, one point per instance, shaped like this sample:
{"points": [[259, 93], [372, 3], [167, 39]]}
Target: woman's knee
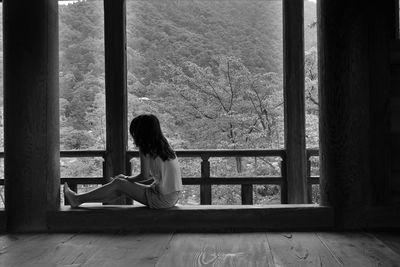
{"points": [[132, 190], [118, 183]]}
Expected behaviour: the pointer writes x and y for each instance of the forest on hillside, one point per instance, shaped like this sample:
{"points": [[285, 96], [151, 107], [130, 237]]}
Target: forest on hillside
{"points": [[211, 70]]}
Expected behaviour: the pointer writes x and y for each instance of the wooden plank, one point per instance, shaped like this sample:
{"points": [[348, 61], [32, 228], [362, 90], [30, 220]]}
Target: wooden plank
{"points": [[217, 250], [390, 239], [35, 251], [65, 254], [131, 250], [9, 240], [191, 218], [299, 249], [76, 250], [359, 249], [293, 89], [31, 113], [116, 92]]}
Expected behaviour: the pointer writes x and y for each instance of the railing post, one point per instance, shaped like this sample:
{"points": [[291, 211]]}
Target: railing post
{"points": [[128, 165], [309, 184], [247, 194], [104, 171], [284, 185], [205, 189]]}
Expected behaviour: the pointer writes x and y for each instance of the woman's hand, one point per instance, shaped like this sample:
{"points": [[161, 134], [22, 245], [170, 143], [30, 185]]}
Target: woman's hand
{"points": [[120, 176]]}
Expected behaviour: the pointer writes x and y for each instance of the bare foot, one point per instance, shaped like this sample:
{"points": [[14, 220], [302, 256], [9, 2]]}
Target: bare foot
{"points": [[71, 196]]}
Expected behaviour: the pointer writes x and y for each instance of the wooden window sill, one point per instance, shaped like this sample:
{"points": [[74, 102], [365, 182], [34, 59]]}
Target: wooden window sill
{"points": [[202, 218]]}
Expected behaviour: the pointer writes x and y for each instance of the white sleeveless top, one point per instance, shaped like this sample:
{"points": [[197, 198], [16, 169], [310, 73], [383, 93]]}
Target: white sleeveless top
{"points": [[167, 175]]}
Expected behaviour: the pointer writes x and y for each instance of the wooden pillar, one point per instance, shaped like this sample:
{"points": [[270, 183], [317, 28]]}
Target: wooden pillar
{"points": [[116, 94], [293, 84], [31, 113], [353, 84], [383, 29]]}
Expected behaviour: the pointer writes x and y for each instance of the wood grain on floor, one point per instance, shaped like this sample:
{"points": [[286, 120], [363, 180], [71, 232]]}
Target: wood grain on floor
{"points": [[189, 249]]}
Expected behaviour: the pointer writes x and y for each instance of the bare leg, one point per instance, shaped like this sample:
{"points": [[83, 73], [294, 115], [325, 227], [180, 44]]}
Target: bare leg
{"points": [[107, 192]]}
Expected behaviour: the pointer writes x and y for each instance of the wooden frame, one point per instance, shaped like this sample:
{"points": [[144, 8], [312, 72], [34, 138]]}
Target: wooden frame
{"points": [[293, 88], [351, 41], [293, 186]]}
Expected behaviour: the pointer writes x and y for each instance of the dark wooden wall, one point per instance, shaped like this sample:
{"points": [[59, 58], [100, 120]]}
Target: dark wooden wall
{"points": [[354, 54]]}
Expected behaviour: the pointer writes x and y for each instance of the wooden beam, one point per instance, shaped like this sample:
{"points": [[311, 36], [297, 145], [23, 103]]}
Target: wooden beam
{"points": [[82, 153], [116, 94], [197, 153], [31, 113], [232, 180], [201, 218], [293, 81]]}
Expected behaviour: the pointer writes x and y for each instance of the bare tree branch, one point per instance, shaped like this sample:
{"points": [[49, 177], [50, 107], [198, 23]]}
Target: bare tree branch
{"points": [[230, 86]]}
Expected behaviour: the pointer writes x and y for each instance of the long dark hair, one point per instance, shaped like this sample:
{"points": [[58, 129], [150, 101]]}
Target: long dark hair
{"points": [[147, 135]]}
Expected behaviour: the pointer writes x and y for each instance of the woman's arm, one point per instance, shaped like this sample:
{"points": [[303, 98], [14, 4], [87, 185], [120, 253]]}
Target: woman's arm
{"points": [[145, 176], [136, 179], [145, 166], [139, 179]]}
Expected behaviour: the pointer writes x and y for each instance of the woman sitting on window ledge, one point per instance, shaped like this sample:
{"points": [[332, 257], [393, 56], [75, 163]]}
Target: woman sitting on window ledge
{"points": [[159, 182]]}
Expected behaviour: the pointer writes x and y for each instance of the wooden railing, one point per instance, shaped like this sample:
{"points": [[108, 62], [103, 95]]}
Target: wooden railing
{"points": [[205, 180]]}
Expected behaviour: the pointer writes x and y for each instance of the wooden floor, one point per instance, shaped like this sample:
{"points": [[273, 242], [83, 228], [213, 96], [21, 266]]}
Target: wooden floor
{"points": [[247, 249]]}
